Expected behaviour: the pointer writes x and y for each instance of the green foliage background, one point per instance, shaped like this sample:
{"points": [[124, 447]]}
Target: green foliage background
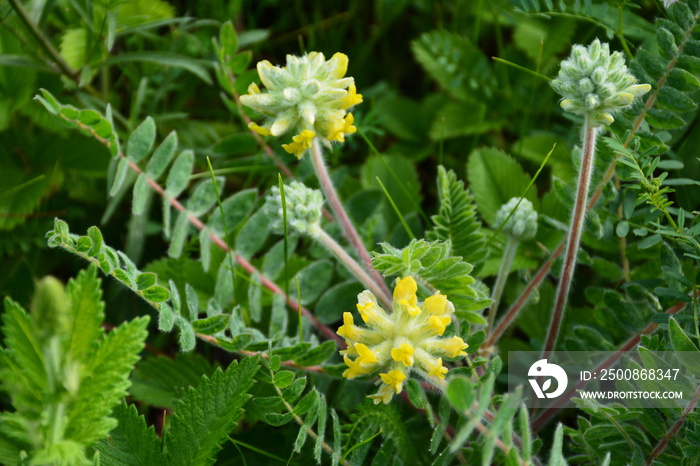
{"points": [[457, 118]]}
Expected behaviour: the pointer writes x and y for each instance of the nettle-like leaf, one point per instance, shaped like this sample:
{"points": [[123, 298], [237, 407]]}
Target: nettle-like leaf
{"points": [[495, 178], [456, 220], [206, 415], [131, 442], [93, 367], [433, 266]]}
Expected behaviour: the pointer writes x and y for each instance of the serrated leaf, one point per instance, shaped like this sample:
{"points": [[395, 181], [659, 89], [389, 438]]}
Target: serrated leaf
{"points": [[86, 313], [132, 442], [104, 381], [161, 380], [456, 220], [208, 413], [211, 325], [162, 156], [495, 178], [179, 174]]}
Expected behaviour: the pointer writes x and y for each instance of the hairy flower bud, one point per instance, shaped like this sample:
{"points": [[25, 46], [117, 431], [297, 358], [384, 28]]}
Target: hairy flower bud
{"points": [[596, 83], [522, 225], [304, 206], [309, 96]]}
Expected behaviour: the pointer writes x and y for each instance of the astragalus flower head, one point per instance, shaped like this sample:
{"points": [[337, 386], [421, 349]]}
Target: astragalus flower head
{"points": [[308, 97], [522, 225], [407, 340], [304, 207], [596, 83]]}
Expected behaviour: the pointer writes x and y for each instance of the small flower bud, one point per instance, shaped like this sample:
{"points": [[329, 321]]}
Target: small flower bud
{"points": [[304, 207], [595, 83], [522, 225]]}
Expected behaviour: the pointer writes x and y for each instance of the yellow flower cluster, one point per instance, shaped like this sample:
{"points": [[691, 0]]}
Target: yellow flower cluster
{"points": [[309, 96], [407, 340]]}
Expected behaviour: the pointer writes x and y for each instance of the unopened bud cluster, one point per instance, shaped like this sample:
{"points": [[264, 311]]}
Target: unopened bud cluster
{"points": [[304, 207], [522, 225], [309, 98], [397, 344], [596, 83]]}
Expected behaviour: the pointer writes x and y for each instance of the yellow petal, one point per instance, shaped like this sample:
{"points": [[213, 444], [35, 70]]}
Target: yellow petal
{"points": [[405, 289], [404, 354], [259, 129], [342, 66]]}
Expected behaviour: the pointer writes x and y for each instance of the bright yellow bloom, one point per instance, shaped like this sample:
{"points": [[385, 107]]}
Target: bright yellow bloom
{"points": [[365, 355], [436, 304], [302, 141], [259, 129], [454, 347], [344, 127], [352, 99], [438, 323], [349, 330], [404, 354], [354, 369], [397, 343], [437, 370], [394, 379]]}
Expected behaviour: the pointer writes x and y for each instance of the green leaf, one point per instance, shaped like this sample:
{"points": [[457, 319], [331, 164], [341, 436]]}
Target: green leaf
{"points": [[104, 381], [160, 381], [283, 379], [313, 280], [156, 294], [663, 119], [306, 403], [495, 178], [236, 209], [83, 244], [239, 62], [291, 393], [120, 176], [228, 38], [683, 345], [162, 156], [180, 232], [208, 413], [86, 311], [674, 100], [141, 140], [204, 196], [252, 235], [278, 420], [131, 442], [211, 325], [456, 220], [187, 339], [166, 318], [683, 80], [141, 194], [145, 280], [461, 393], [73, 47], [167, 59], [318, 354], [336, 300], [95, 235], [179, 175]]}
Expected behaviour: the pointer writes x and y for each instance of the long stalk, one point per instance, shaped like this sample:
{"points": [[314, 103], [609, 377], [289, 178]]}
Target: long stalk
{"points": [[578, 219], [340, 213], [352, 265], [508, 256]]}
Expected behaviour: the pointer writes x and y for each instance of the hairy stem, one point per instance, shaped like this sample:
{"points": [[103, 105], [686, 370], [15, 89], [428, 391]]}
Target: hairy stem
{"points": [[548, 413], [250, 268], [674, 428], [574, 238], [609, 173], [342, 216], [508, 256], [352, 265]]}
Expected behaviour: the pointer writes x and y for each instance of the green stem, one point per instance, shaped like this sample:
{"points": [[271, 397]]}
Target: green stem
{"points": [[508, 256], [352, 265], [590, 133], [328, 189]]}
